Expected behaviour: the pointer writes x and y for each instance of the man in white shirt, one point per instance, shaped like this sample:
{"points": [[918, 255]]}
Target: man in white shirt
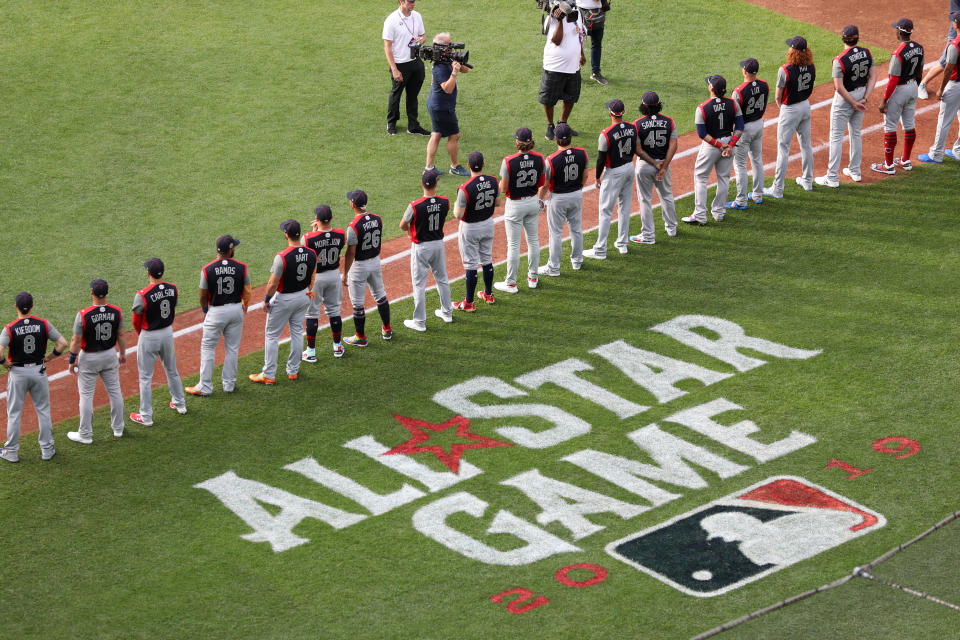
{"points": [[562, 59], [402, 29], [594, 14]]}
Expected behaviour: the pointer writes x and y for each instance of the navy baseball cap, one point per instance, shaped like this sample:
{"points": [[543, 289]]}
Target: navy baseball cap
{"points": [[357, 197], [650, 98], [850, 31], [429, 178], [99, 287], [563, 131], [750, 65], [616, 107], [225, 243], [955, 17], [797, 42], [323, 213], [903, 24], [523, 134], [475, 160], [154, 267], [719, 83], [290, 227], [24, 301]]}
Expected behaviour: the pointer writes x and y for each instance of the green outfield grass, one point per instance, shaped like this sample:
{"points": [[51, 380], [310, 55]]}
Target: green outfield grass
{"points": [[132, 129], [116, 542]]}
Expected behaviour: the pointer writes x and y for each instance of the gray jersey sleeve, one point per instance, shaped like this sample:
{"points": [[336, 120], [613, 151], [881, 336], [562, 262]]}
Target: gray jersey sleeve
{"points": [[837, 69], [952, 54], [781, 77], [895, 67], [78, 325], [53, 334], [504, 172], [4, 338], [547, 172], [138, 304], [698, 117], [602, 143], [351, 236], [277, 267], [203, 280], [408, 214], [461, 199]]}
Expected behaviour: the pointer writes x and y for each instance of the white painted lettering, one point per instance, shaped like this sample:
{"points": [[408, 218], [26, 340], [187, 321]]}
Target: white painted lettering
{"points": [[433, 480], [430, 520], [564, 375], [622, 472], [375, 503], [669, 452]]}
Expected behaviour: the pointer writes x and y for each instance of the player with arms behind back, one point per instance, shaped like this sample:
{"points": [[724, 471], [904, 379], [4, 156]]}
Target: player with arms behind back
{"points": [[949, 96], [327, 243], [752, 96], [476, 200], [616, 147], [521, 176], [565, 174], [794, 85], [361, 268], [656, 146]]}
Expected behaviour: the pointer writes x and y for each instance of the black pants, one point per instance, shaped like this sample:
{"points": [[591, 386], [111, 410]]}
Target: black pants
{"points": [[596, 37], [412, 81]]}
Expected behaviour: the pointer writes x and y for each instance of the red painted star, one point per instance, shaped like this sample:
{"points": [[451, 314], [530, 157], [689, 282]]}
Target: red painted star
{"points": [[451, 459]]}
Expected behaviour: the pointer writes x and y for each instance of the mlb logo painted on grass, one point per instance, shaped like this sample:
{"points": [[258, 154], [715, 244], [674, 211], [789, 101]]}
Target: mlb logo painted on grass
{"points": [[745, 536]]}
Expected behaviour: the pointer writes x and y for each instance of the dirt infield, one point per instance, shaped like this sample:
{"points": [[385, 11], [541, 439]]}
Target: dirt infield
{"points": [[930, 19]]}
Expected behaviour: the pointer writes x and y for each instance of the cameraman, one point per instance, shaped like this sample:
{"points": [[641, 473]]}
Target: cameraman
{"points": [[401, 29], [442, 103], [562, 59]]}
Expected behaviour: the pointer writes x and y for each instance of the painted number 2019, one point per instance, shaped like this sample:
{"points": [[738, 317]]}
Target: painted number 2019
{"points": [[897, 446], [520, 600]]}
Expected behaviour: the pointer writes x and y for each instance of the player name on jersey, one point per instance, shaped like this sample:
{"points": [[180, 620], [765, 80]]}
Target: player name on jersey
{"points": [[653, 135], [562, 503]]}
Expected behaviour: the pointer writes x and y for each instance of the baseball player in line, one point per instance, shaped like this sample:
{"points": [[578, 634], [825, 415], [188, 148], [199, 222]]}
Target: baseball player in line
{"points": [[476, 200], [225, 293], [424, 219], [154, 308], [794, 86], [941, 65], [327, 243], [949, 96], [752, 96], [97, 336], [361, 268], [854, 76], [719, 125], [656, 146], [26, 340], [616, 147], [565, 173], [899, 104], [291, 279], [521, 176]]}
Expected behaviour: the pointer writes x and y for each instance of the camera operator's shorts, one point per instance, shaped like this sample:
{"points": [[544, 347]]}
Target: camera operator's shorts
{"points": [[556, 86], [445, 122]]}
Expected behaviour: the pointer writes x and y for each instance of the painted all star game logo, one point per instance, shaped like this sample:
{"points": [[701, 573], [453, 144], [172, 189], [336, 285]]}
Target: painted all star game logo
{"points": [[745, 536]]}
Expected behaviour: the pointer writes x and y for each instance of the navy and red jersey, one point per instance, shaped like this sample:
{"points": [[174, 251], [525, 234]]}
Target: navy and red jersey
{"points": [[799, 83], [429, 214], [327, 245], [481, 196], [567, 167], [621, 144], [653, 135], [909, 62], [101, 325], [368, 228], [855, 64], [753, 97], [719, 116], [28, 340], [524, 174], [225, 281], [159, 305], [299, 263]]}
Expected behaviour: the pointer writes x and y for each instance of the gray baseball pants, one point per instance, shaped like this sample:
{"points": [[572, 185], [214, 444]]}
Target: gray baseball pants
{"points": [[949, 107], [522, 215], [646, 174], [750, 145], [327, 291], [708, 159], [475, 241], [227, 321], [794, 119], [424, 258], [152, 345], [29, 379], [104, 365], [844, 117], [363, 273], [616, 188], [286, 309], [565, 208], [901, 108]]}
